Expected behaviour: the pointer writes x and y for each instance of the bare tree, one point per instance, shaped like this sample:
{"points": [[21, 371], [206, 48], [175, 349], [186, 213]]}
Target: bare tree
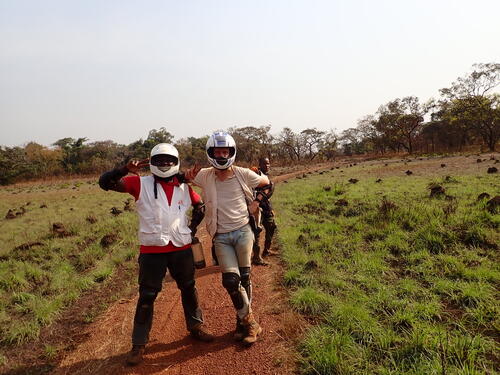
{"points": [[290, 143], [328, 145], [311, 139]]}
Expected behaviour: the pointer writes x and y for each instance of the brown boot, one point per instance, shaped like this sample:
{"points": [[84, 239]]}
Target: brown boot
{"points": [[258, 261], [239, 332], [135, 355], [200, 333], [253, 329]]}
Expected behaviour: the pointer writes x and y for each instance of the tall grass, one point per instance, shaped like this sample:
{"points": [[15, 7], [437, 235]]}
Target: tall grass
{"points": [[394, 281]]}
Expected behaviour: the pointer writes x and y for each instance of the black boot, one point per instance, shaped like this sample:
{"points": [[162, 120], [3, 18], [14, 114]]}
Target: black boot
{"points": [[135, 355]]}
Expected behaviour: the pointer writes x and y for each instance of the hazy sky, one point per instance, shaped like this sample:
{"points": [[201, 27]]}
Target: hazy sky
{"points": [[116, 69]]}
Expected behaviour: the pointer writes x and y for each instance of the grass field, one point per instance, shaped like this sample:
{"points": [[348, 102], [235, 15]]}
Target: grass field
{"points": [[394, 281], [42, 270]]}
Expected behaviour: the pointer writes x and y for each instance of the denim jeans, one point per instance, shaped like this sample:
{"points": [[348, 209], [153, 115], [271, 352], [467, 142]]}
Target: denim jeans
{"points": [[234, 250]]}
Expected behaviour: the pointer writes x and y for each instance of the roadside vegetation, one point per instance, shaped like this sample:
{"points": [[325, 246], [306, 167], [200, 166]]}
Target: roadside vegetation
{"points": [[397, 273], [59, 240]]}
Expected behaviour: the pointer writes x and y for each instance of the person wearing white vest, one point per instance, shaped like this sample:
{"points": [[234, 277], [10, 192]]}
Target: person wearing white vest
{"points": [[162, 201], [227, 191]]}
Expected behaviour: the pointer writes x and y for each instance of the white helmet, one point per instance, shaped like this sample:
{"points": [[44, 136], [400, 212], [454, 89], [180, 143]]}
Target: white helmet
{"points": [[164, 171], [221, 139]]}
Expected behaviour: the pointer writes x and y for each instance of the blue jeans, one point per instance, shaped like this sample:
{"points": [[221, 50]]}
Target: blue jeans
{"points": [[234, 251]]}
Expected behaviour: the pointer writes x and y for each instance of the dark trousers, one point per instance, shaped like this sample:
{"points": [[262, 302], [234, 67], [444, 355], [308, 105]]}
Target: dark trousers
{"points": [[267, 221], [152, 270]]}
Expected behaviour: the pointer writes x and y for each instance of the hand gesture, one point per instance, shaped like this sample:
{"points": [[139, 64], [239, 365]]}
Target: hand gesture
{"points": [[134, 166], [192, 172]]}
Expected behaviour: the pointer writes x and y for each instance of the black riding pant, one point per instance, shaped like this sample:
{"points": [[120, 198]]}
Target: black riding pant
{"points": [[152, 270]]}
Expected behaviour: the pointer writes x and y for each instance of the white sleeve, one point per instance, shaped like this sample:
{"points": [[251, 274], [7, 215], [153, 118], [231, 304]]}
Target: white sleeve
{"points": [[252, 179]]}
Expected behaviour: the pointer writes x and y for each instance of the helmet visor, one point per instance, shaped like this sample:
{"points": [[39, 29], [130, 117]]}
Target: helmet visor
{"points": [[164, 162]]}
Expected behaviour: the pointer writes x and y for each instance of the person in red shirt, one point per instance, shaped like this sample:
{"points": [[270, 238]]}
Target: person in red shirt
{"points": [[162, 201]]}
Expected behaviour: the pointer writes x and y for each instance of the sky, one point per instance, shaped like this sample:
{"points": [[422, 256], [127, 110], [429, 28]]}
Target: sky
{"points": [[114, 70]]}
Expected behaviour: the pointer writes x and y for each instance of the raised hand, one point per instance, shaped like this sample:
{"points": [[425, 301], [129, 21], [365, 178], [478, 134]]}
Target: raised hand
{"points": [[192, 172], [134, 166]]}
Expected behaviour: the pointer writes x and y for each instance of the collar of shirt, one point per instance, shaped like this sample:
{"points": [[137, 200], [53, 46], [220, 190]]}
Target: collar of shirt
{"points": [[173, 182]]}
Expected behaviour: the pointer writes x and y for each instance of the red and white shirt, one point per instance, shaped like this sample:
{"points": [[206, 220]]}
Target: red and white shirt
{"points": [[133, 187]]}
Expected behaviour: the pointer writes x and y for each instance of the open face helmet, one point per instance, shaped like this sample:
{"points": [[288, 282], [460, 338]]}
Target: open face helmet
{"points": [[164, 160], [220, 140]]}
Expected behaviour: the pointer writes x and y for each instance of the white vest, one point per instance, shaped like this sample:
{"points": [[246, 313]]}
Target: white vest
{"points": [[160, 223]]}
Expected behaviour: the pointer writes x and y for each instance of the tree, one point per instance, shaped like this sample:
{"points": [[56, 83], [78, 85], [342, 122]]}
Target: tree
{"points": [[141, 149], [328, 145], [192, 150], [372, 139], [101, 155], [311, 139], [401, 121], [41, 160], [289, 142], [158, 136], [252, 142], [468, 99], [483, 79], [352, 142], [71, 149], [12, 164]]}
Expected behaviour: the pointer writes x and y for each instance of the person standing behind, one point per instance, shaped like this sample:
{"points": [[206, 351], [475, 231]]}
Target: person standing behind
{"points": [[162, 202], [263, 194], [227, 192]]}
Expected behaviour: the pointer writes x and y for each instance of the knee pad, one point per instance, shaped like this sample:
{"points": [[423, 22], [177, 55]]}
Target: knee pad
{"points": [[231, 281], [144, 311], [147, 296], [245, 281], [245, 276]]}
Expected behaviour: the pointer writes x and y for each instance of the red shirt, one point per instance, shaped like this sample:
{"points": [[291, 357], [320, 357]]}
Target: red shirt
{"points": [[133, 187]]}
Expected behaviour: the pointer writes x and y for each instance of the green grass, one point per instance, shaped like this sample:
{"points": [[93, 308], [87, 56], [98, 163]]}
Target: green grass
{"points": [[38, 282], [394, 282], [50, 352]]}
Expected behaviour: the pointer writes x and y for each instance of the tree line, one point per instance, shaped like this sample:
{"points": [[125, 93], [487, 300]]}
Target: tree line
{"points": [[467, 113]]}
